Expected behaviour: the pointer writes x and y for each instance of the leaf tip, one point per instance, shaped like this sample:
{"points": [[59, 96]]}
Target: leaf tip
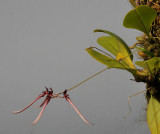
{"points": [[88, 49], [98, 30]]}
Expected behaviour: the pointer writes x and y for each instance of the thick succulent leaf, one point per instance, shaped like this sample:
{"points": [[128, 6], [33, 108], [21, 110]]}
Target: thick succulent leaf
{"points": [[109, 43], [153, 116], [150, 64], [110, 62], [122, 42], [140, 18]]}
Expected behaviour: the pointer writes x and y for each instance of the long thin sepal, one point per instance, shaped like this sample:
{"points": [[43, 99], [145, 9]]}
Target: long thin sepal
{"points": [[41, 112], [16, 112], [70, 102]]}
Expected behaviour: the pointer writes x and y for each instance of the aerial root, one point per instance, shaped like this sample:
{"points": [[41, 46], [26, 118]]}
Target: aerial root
{"points": [[129, 100]]}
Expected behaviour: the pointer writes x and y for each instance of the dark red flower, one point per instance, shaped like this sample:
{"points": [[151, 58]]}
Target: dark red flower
{"points": [[48, 94]]}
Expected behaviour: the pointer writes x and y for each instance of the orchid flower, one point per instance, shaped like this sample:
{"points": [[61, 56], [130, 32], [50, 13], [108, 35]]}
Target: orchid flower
{"points": [[66, 96], [49, 94]]}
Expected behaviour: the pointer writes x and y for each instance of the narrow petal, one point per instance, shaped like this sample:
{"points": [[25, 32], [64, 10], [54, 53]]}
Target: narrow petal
{"points": [[16, 112], [43, 102], [41, 112], [70, 102]]}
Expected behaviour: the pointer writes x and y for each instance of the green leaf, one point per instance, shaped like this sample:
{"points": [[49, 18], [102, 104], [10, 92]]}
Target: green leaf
{"points": [[119, 39], [116, 48], [150, 64], [153, 63], [153, 116], [110, 62], [140, 18], [141, 64], [124, 55], [109, 43]]}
